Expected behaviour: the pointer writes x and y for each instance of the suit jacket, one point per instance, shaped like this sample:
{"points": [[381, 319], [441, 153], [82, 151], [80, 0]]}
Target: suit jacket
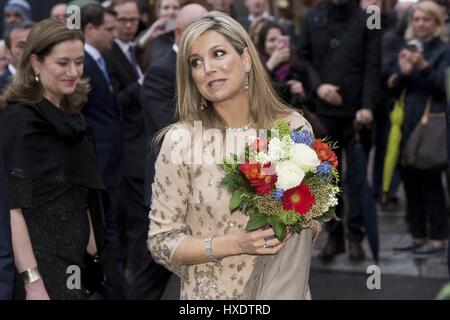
{"points": [[103, 114], [5, 79], [125, 83], [6, 253], [159, 47], [159, 104]]}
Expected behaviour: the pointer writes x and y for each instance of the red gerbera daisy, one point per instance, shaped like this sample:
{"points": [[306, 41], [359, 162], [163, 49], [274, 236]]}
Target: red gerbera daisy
{"points": [[299, 199], [265, 184]]}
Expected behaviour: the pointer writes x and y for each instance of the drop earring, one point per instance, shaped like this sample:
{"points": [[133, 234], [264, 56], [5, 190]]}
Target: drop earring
{"points": [[246, 87], [203, 104], [36, 77]]}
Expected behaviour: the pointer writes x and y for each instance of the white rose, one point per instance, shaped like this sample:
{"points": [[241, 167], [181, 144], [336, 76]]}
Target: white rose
{"points": [[305, 157], [289, 175]]}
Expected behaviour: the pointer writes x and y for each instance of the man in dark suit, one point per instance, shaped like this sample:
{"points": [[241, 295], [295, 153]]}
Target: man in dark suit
{"points": [[158, 101], [126, 76], [15, 39], [102, 110], [345, 91], [6, 253]]}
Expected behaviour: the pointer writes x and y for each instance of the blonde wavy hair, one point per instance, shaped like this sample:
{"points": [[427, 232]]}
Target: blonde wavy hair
{"points": [[429, 8], [41, 40], [265, 106]]}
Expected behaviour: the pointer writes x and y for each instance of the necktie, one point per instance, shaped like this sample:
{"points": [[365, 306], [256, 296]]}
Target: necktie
{"points": [[134, 63], [102, 65]]}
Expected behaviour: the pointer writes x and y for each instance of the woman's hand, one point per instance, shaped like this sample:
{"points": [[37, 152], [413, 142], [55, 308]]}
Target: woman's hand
{"points": [[155, 30], [405, 63], [296, 87], [279, 56], [261, 241], [36, 291], [418, 60]]}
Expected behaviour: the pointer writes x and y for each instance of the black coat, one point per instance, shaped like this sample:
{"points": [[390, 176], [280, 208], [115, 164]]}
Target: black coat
{"points": [[126, 86], [159, 47], [103, 114], [159, 104], [54, 146], [342, 51], [6, 253]]}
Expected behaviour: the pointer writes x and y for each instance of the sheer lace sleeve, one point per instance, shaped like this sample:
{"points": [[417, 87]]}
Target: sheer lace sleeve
{"points": [[170, 197], [20, 193]]}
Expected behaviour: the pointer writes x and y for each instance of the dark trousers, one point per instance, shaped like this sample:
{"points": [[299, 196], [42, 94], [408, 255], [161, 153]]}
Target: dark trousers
{"points": [[113, 226], [144, 278], [340, 129], [427, 214]]}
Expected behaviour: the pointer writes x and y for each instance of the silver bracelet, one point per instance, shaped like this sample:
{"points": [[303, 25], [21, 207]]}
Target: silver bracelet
{"points": [[208, 249]]}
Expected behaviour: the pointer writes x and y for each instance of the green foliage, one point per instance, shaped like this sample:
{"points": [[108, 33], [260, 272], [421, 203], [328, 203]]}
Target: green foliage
{"points": [[236, 200], [256, 221], [283, 128], [235, 180], [278, 227], [289, 217], [328, 216], [230, 164]]}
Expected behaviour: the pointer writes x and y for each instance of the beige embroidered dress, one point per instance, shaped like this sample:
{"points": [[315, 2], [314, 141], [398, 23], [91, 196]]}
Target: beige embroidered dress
{"points": [[187, 201]]}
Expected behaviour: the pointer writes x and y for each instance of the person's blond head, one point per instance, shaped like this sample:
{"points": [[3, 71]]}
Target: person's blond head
{"points": [[43, 37], [429, 8], [264, 104]]}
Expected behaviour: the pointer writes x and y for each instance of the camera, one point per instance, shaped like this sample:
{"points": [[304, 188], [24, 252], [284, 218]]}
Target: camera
{"points": [[414, 45]]}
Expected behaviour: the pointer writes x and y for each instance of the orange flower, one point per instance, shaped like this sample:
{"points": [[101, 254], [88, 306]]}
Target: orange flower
{"points": [[324, 153], [263, 182]]}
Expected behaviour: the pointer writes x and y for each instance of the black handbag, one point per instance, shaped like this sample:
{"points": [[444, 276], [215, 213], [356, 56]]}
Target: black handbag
{"points": [[426, 148], [92, 274]]}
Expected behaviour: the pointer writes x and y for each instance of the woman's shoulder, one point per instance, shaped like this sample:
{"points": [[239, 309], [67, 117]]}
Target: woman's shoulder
{"points": [[296, 120], [18, 110]]}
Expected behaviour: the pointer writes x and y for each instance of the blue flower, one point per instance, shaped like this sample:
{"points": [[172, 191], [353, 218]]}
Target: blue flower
{"points": [[324, 169], [278, 194], [302, 136]]}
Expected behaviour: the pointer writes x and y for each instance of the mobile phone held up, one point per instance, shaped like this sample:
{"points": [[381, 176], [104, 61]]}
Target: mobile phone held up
{"points": [[284, 41], [170, 25], [414, 45]]}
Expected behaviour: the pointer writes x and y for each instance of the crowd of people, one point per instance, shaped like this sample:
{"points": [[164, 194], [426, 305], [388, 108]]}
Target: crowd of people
{"points": [[85, 178]]}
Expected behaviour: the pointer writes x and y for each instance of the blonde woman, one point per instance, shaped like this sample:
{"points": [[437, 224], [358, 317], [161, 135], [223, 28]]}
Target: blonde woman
{"points": [[420, 75], [222, 83]]}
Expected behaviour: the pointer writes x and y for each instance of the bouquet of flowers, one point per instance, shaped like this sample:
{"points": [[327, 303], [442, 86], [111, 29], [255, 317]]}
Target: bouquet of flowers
{"points": [[283, 180]]}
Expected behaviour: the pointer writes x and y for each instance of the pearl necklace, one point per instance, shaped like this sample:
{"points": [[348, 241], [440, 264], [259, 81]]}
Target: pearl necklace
{"points": [[240, 129]]}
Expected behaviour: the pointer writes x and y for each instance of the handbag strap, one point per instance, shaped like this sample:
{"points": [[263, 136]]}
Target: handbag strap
{"points": [[426, 112], [402, 96]]}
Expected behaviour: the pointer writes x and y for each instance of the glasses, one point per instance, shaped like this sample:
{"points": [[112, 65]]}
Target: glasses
{"points": [[125, 20]]}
